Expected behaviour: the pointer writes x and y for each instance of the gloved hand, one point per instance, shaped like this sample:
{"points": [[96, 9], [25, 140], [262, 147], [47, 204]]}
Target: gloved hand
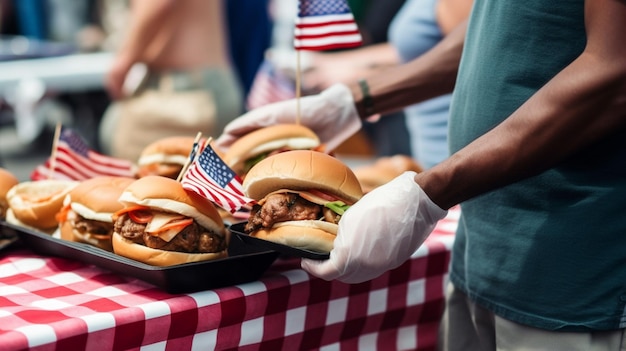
{"points": [[330, 114], [380, 232]]}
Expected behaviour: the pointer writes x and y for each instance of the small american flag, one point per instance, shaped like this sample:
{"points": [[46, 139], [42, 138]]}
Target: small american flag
{"points": [[74, 160], [211, 178], [325, 25], [269, 86]]}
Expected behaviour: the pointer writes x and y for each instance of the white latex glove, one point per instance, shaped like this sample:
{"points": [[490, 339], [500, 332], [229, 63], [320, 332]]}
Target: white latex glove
{"points": [[380, 232], [330, 114]]}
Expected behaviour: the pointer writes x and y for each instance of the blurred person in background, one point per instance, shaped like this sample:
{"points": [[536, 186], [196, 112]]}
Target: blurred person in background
{"points": [[417, 27], [172, 75], [250, 32]]}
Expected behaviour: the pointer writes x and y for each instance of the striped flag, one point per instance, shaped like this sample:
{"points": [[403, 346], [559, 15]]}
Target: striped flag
{"points": [[325, 25], [74, 160], [211, 178], [269, 86]]}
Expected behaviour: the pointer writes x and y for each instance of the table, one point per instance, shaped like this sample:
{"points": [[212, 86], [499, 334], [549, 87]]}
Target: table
{"points": [[51, 303], [68, 73]]}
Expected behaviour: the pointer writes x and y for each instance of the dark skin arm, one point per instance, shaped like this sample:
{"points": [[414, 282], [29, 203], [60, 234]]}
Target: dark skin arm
{"points": [[582, 104], [430, 75]]}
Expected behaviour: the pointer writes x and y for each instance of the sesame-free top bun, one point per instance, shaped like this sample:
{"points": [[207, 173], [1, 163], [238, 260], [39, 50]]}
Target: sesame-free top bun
{"points": [[36, 203], [291, 136], [165, 157], [100, 195], [167, 194], [302, 170], [7, 181]]}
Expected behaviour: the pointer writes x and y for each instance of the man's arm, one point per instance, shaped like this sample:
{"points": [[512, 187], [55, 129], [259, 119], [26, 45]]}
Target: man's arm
{"points": [[146, 18], [582, 104], [428, 76]]}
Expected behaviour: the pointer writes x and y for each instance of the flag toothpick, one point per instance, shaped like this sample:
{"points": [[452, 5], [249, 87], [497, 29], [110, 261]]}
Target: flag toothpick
{"points": [[192, 155], [72, 159], [53, 154], [211, 178]]}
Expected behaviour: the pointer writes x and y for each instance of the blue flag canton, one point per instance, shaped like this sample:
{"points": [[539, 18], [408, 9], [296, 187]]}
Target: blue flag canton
{"points": [[215, 168], [76, 143], [323, 7]]}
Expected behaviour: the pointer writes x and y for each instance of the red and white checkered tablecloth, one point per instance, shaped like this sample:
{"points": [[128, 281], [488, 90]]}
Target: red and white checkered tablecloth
{"points": [[50, 303]]}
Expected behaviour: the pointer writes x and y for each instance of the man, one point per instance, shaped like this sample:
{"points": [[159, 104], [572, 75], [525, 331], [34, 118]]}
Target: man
{"points": [[537, 162], [190, 84]]}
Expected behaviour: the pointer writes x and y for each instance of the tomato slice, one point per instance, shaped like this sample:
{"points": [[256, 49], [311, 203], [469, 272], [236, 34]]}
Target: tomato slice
{"points": [[129, 209], [142, 216], [322, 194]]}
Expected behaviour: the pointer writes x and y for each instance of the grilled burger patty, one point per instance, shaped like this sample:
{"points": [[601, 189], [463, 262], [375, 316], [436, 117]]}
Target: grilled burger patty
{"points": [[192, 239], [285, 207]]}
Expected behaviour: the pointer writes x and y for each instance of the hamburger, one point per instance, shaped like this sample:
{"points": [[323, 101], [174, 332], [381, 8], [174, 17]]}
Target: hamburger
{"points": [[383, 170], [165, 157], [87, 214], [7, 181], [162, 224], [35, 204], [255, 146], [301, 196]]}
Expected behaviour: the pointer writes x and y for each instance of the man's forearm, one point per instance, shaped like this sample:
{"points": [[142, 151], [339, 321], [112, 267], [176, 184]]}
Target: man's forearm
{"points": [[581, 105], [147, 18], [430, 75]]}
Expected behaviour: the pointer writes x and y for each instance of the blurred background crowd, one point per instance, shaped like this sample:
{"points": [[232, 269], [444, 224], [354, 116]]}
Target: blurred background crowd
{"points": [[79, 63]]}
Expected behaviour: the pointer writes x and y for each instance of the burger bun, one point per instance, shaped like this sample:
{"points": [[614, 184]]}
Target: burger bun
{"points": [[302, 170], [35, 204], [310, 235], [268, 139], [165, 157], [156, 257]]}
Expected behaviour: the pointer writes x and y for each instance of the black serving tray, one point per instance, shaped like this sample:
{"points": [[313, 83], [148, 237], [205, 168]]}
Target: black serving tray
{"points": [[237, 230], [244, 264]]}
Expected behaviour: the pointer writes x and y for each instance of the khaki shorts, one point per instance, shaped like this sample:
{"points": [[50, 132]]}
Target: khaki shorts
{"points": [[468, 327]]}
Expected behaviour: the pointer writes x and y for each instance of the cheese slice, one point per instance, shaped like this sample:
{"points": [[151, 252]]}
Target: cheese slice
{"points": [[159, 220]]}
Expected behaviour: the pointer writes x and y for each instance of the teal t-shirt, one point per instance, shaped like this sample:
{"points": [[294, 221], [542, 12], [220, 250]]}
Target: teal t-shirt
{"points": [[549, 251]]}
